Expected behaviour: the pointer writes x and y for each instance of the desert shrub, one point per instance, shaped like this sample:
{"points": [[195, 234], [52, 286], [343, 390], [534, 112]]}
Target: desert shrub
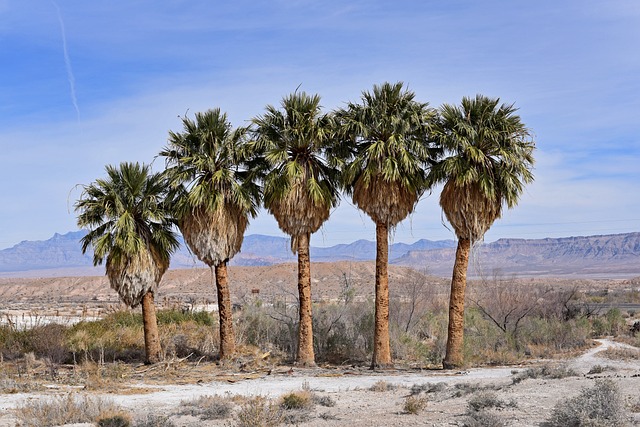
{"points": [[118, 419], [153, 420], [63, 410], [487, 400], [11, 345], [302, 399], [176, 317], [207, 408], [17, 385], [414, 404], [545, 371], [599, 406], [268, 326], [463, 389], [259, 412], [382, 386], [552, 335], [621, 353], [189, 338], [612, 323], [427, 388], [484, 419], [325, 401], [343, 332]]}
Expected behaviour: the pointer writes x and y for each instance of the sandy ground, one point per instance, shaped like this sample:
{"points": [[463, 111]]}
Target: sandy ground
{"points": [[531, 400]]}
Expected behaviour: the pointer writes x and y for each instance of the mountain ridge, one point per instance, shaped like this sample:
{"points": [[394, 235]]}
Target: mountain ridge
{"points": [[605, 255]]}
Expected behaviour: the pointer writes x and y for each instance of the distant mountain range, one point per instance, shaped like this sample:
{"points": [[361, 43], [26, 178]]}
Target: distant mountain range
{"points": [[63, 252], [606, 256]]}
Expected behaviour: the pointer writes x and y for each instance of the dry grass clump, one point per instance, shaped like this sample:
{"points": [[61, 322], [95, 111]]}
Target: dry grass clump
{"points": [[598, 406], [207, 408], [414, 404], [62, 410], [259, 412]]}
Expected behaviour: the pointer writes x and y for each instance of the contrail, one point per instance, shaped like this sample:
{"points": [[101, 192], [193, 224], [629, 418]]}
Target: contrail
{"points": [[67, 61]]}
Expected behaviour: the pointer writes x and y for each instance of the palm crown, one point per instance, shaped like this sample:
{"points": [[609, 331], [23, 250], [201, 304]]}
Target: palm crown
{"points": [[129, 224], [214, 187], [488, 160], [385, 151], [300, 187]]}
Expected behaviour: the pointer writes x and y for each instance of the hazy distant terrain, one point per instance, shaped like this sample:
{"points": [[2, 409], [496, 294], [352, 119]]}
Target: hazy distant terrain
{"points": [[613, 256]]}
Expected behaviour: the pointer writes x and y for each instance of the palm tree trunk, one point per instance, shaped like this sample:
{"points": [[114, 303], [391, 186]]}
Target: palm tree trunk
{"points": [[305, 355], [227, 336], [381, 345], [153, 352], [454, 357]]}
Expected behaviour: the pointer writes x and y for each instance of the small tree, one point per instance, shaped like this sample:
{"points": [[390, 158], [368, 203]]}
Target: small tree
{"points": [[488, 160], [131, 226], [300, 187], [384, 150], [214, 194]]}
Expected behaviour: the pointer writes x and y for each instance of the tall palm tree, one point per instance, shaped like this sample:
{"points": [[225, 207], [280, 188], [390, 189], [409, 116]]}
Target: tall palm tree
{"points": [[129, 225], [488, 160], [300, 187], [215, 194], [384, 151]]}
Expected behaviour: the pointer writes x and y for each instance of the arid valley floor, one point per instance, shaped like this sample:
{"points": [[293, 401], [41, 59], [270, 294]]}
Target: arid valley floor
{"points": [[360, 397]]}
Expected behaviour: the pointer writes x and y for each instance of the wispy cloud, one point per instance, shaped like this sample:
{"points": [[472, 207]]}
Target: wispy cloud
{"points": [[67, 62]]}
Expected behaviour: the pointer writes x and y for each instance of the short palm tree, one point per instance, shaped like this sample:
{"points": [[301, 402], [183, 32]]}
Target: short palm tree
{"points": [[385, 149], [488, 160], [129, 224], [215, 193], [300, 187]]}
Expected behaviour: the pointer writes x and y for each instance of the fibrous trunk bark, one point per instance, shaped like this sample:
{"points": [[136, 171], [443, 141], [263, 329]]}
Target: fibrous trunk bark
{"points": [[153, 352], [381, 346], [227, 336], [305, 355], [454, 357]]}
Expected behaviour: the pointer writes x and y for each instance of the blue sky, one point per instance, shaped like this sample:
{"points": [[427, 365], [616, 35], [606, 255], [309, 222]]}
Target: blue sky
{"points": [[85, 84]]}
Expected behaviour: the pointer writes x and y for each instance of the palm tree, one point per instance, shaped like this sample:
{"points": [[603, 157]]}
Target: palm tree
{"points": [[488, 160], [385, 149], [129, 225], [300, 187], [215, 193]]}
